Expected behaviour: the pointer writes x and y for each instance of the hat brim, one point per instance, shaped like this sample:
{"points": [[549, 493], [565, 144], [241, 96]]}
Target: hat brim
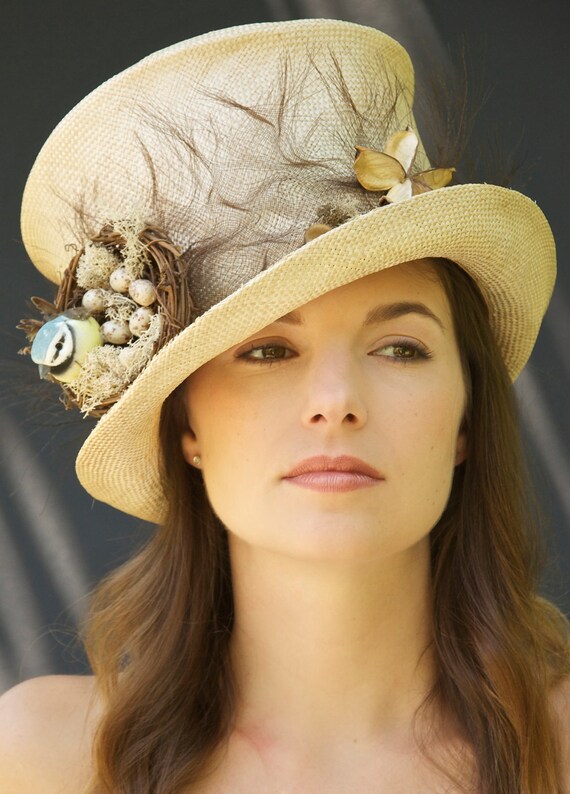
{"points": [[500, 237]]}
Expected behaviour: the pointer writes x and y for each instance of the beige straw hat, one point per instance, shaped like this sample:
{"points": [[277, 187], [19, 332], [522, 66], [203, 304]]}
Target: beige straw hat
{"points": [[234, 143]]}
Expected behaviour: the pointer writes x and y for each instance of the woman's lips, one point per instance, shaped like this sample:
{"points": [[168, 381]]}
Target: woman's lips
{"points": [[343, 473]]}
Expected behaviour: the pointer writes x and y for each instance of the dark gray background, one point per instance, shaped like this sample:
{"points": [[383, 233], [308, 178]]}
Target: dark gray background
{"points": [[55, 543]]}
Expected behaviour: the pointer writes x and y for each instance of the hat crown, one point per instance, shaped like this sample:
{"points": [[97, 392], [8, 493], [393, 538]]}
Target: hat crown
{"points": [[232, 142]]}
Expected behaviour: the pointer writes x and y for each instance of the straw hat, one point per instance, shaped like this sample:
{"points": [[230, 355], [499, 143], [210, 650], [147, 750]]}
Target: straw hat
{"points": [[235, 142]]}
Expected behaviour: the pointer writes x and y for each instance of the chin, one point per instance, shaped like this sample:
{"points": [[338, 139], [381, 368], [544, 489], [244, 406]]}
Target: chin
{"points": [[334, 538]]}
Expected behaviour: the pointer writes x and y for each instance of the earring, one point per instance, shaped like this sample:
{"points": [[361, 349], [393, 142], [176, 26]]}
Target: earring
{"points": [[197, 460]]}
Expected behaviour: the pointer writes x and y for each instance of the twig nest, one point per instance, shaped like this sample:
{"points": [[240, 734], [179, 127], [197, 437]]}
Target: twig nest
{"points": [[120, 279], [116, 332], [123, 251], [142, 291], [94, 300], [140, 320]]}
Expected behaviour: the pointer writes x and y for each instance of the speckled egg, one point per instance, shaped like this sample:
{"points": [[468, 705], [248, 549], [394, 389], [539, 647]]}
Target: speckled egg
{"points": [[140, 320], [94, 300], [142, 291], [120, 280], [116, 332]]}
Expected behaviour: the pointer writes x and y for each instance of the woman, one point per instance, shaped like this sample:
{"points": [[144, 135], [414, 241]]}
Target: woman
{"points": [[316, 409]]}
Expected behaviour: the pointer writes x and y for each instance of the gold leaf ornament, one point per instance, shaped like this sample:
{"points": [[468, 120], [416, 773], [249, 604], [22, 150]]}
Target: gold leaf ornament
{"points": [[433, 179], [390, 170], [315, 230]]}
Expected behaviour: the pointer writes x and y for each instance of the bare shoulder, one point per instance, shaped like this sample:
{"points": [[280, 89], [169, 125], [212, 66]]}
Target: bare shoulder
{"points": [[46, 731]]}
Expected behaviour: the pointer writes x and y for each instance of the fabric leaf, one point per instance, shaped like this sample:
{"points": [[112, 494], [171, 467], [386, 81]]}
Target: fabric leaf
{"points": [[403, 146], [377, 170]]}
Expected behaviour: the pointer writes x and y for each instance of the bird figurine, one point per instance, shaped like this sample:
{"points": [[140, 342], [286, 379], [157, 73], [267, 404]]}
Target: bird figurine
{"points": [[62, 344]]}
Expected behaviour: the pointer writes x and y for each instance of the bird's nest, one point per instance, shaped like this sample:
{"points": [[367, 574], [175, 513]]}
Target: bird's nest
{"points": [[144, 252]]}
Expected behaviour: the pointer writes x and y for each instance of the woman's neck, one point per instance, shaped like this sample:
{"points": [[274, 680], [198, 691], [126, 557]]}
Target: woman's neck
{"points": [[330, 652]]}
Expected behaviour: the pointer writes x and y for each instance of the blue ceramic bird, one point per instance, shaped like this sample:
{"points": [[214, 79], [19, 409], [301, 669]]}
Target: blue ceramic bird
{"points": [[61, 345]]}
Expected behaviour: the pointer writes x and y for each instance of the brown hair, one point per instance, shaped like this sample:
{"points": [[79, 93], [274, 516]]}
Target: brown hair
{"points": [[158, 641], [160, 626], [502, 649]]}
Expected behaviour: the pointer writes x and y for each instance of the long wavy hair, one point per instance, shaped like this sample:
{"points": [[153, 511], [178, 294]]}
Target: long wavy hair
{"points": [[159, 630]]}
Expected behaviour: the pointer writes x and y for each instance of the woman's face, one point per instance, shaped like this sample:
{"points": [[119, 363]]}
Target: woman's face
{"points": [[334, 432]]}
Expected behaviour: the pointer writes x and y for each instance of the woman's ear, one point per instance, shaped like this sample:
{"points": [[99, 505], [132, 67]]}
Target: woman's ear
{"points": [[461, 447], [189, 446]]}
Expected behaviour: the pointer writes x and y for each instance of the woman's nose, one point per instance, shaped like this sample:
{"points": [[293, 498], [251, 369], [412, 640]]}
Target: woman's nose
{"points": [[334, 393]]}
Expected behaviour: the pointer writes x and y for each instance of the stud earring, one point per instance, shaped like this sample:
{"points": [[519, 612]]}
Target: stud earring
{"points": [[197, 460]]}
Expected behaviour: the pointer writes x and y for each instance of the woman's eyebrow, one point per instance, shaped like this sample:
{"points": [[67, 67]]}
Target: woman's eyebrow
{"points": [[379, 314], [391, 311]]}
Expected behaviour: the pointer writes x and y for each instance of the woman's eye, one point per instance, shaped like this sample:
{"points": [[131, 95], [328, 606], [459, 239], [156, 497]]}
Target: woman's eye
{"points": [[403, 351], [267, 352]]}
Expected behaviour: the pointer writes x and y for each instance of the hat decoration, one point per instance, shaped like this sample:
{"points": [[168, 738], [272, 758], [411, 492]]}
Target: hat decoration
{"points": [[124, 295], [390, 170]]}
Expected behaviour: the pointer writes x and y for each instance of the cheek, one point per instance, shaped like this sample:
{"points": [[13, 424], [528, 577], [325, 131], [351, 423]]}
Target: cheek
{"points": [[226, 433], [425, 444]]}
